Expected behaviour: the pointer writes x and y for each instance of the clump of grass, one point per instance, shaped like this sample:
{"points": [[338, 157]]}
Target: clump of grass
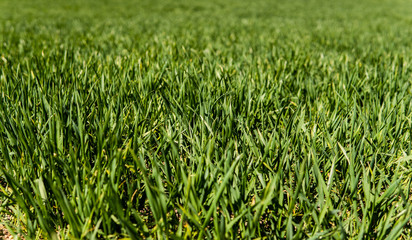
{"points": [[205, 120]]}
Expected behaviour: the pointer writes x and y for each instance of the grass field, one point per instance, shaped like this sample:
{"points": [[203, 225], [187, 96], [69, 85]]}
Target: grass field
{"points": [[206, 119]]}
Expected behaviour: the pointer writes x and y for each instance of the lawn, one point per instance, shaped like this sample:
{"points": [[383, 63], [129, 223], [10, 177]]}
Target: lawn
{"points": [[206, 119]]}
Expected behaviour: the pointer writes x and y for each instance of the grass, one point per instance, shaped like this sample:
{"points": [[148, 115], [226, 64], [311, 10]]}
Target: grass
{"points": [[208, 119]]}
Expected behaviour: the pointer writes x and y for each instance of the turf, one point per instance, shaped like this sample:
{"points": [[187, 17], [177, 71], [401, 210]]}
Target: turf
{"points": [[208, 119]]}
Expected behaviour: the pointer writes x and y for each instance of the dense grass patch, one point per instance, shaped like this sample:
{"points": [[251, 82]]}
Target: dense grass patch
{"points": [[208, 119]]}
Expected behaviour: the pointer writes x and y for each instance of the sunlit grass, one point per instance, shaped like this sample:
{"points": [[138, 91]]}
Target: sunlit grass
{"points": [[221, 119]]}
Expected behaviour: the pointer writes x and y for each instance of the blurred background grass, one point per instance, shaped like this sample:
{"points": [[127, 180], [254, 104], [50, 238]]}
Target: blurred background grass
{"points": [[354, 27]]}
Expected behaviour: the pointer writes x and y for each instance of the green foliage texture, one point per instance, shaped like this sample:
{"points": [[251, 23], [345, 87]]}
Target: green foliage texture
{"points": [[206, 119]]}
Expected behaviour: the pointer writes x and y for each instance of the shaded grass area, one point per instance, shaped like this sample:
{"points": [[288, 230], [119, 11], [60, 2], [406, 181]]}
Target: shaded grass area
{"points": [[208, 119]]}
